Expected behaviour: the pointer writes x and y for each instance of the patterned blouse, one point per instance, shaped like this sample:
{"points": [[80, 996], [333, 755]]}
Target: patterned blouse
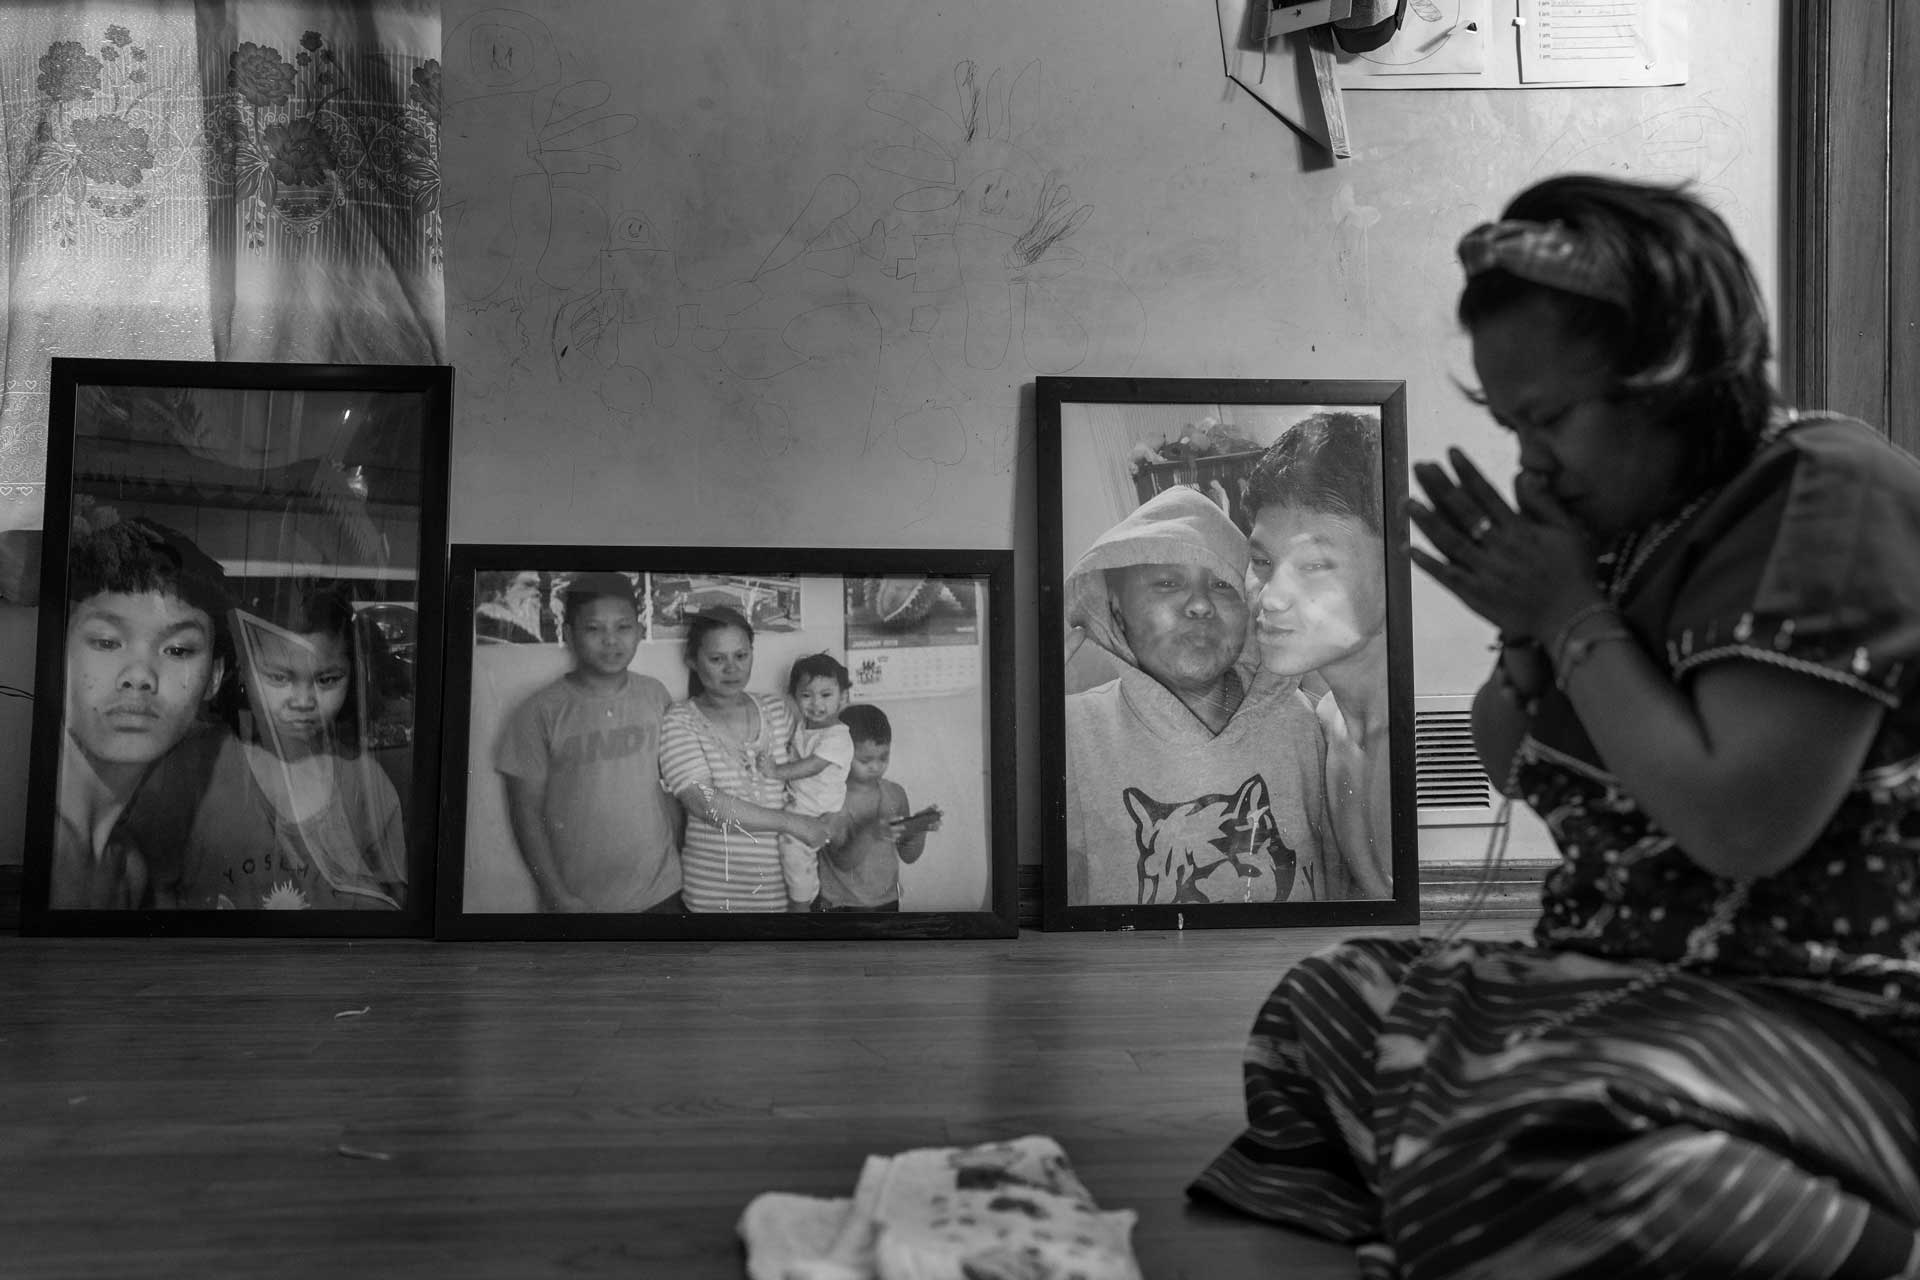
{"points": [[727, 869], [1809, 559]]}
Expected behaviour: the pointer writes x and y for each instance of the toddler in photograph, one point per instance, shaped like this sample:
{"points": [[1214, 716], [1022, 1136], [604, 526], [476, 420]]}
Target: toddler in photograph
{"points": [[819, 755]]}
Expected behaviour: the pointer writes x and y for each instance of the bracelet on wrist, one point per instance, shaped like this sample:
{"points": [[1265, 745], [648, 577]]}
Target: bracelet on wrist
{"points": [[1561, 638], [1579, 650]]}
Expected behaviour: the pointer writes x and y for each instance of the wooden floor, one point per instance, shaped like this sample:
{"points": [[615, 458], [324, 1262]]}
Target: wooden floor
{"points": [[207, 1108]]}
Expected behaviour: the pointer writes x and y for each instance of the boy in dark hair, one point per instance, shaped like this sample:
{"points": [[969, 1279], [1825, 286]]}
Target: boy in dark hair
{"points": [[1317, 586], [291, 814], [146, 652], [581, 764], [861, 871]]}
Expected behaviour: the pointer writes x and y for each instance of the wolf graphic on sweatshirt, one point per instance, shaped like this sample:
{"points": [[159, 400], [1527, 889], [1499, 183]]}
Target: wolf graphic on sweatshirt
{"points": [[1160, 809]]}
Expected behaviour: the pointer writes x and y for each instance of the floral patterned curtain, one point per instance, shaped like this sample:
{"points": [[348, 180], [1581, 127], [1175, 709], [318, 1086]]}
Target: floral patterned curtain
{"points": [[323, 180], [227, 179]]}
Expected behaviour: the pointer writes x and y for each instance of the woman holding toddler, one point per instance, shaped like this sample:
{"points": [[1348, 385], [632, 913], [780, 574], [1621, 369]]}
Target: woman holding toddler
{"points": [[711, 746]]}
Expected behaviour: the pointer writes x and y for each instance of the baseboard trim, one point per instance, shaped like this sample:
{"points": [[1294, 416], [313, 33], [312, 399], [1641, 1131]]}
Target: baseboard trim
{"points": [[1444, 892]]}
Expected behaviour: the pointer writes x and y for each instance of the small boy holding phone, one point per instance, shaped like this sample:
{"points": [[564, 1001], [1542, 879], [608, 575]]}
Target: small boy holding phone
{"points": [[861, 872]]}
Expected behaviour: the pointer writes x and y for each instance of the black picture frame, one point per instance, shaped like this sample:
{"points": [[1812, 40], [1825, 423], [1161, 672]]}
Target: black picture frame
{"points": [[200, 804], [940, 666], [1146, 825]]}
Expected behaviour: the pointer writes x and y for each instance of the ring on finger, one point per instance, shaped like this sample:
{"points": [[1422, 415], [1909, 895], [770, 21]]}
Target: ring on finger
{"points": [[1481, 528]]}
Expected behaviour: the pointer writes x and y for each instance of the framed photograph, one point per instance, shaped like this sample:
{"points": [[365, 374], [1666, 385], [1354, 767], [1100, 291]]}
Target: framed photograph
{"points": [[236, 727], [721, 743], [1228, 730]]}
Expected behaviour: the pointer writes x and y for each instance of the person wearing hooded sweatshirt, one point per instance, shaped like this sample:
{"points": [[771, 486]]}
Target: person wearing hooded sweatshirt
{"points": [[1190, 779]]}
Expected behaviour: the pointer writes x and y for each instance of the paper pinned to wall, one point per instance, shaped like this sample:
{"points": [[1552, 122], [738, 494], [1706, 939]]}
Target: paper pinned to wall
{"points": [[1621, 42], [1525, 44], [1436, 37]]}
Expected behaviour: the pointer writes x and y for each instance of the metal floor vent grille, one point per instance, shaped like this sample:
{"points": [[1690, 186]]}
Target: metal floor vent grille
{"points": [[1450, 787]]}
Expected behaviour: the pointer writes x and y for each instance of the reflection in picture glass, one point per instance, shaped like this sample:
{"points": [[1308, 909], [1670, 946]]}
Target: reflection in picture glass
{"points": [[243, 637], [715, 748], [1228, 748]]}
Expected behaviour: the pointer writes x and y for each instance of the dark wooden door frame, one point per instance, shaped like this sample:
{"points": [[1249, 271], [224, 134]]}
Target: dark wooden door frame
{"points": [[1850, 261]]}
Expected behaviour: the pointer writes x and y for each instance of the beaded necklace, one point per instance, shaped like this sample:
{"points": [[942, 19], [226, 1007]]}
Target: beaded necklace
{"points": [[1633, 552]]}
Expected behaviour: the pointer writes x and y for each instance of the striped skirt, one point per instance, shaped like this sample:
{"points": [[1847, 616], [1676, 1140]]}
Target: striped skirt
{"points": [[1415, 1108]]}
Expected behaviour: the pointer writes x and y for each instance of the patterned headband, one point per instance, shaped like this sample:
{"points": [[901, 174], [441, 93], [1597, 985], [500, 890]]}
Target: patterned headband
{"points": [[1549, 253]]}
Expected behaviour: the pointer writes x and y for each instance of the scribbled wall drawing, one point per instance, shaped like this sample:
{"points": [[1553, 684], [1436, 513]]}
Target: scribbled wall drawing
{"points": [[911, 283], [520, 240], [984, 229], [988, 217], [1698, 143], [505, 95]]}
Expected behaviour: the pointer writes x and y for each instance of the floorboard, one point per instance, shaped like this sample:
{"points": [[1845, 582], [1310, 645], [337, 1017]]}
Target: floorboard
{"points": [[397, 1109]]}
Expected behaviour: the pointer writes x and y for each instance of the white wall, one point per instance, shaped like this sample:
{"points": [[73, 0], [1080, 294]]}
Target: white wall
{"points": [[702, 288]]}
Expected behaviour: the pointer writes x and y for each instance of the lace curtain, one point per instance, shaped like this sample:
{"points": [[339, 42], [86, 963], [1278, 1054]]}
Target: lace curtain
{"points": [[247, 180]]}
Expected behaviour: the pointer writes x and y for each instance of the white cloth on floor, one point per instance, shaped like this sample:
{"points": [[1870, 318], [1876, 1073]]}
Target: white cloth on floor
{"points": [[999, 1211]]}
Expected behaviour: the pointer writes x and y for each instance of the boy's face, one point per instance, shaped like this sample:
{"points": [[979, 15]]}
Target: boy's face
{"points": [[297, 685], [139, 667], [870, 761], [820, 699], [1318, 584], [604, 634]]}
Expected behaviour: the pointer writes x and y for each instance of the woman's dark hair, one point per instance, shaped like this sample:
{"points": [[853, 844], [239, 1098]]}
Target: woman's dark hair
{"points": [[703, 624], [1329, 462], [1693, 344], [815, 666]]}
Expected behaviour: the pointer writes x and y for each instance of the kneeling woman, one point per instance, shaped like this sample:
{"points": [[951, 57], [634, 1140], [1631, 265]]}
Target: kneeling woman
{"points": [[1705, 1064]]}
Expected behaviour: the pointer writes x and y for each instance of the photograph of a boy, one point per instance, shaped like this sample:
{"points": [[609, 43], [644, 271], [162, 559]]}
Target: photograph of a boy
{"points": [[294, 812], [146, 653], [861, 870], [819, 757], [580, 761], [1317, 585]]}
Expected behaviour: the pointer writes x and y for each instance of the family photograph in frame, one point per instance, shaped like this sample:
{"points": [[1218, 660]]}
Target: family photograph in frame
{"points": [[236, 728], [1226, 671], [729, 743]]}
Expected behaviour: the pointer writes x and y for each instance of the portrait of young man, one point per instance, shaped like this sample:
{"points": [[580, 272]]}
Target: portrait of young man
{"points": [[1225, 700]]}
